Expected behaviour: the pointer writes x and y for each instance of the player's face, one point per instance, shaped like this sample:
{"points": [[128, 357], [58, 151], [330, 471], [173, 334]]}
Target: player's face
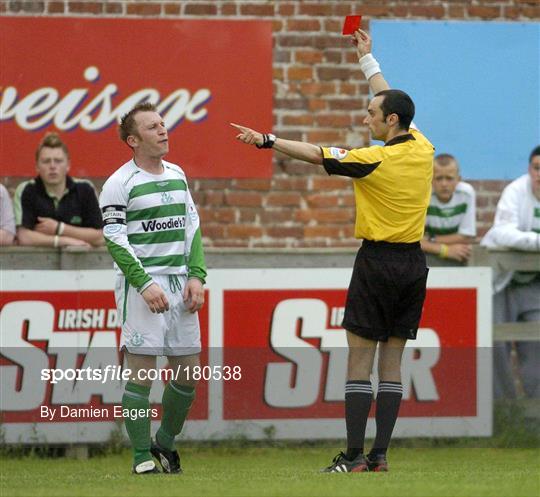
{"points": [[52, 166], [445, 180], [375, 120], [534, 173], [152, 140]]}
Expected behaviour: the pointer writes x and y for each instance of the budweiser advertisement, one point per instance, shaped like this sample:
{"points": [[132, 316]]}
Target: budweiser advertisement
{"points": [[78, 76], [274, 360]]}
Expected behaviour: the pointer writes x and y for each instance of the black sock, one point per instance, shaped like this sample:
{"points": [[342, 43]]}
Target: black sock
{"points": [[389, 396], [358, 398]]}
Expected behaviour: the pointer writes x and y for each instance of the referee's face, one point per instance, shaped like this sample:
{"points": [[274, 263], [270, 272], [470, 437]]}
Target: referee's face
{"points": [[375, 119]]}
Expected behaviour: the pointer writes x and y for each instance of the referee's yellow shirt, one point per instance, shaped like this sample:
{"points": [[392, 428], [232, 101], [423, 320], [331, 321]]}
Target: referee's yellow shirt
{"points": [[392, 186]]}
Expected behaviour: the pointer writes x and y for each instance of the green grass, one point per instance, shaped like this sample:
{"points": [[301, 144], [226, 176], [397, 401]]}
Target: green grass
{"points": [[287, 472]]}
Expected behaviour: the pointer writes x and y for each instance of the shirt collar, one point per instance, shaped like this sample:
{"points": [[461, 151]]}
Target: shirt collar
{"points": [[399, 139]]}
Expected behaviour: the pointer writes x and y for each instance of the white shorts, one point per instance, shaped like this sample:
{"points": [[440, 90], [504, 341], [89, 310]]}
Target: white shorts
{"points": [[175, 332]]}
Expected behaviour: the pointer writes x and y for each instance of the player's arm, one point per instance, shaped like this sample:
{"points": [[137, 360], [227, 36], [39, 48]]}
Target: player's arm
{"points": [[295, 149], [113, 203], [368, 64]]}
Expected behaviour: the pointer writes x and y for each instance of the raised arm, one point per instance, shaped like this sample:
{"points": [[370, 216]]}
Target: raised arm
{"points": [[369, 65]]}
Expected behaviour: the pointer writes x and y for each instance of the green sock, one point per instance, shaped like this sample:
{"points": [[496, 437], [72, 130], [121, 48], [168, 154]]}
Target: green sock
{"points": [[138, 428], [177, 400]]}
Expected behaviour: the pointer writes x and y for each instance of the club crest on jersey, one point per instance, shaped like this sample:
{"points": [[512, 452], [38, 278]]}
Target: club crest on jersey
{"points": [[338, 153], [166, 198]]}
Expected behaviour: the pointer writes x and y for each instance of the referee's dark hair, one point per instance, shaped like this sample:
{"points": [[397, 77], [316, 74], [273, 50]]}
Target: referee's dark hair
{"points": [[534, 153], [399, 103]]}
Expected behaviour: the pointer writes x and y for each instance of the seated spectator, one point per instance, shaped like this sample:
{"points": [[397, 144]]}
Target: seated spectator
{"points": [[517, 294], [451, 216], [53, 209], [7, 220]]}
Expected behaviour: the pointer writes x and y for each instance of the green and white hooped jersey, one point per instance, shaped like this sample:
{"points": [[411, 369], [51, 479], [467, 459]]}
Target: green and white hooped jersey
{"points": [[458, 215], [151, 225]]}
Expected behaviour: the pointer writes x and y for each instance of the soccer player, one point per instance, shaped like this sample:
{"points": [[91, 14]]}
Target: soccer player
{"points": [[451, 216], [54, 209], [392, 187], [151, 229]]}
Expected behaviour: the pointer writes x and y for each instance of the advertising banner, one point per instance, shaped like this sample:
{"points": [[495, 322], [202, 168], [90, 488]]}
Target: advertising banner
{"points": [[79, 76], [274, 357]]}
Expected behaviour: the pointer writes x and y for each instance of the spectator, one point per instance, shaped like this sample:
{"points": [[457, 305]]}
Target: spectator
{"points": [[517, 226], [451, 217], [53, 209], [7, 221]]}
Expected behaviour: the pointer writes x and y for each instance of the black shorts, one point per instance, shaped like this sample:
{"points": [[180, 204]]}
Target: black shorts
{"points": [[387, 291]]}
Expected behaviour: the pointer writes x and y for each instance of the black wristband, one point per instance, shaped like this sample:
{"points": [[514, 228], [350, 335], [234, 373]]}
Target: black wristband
{"points": [[268, 141]]}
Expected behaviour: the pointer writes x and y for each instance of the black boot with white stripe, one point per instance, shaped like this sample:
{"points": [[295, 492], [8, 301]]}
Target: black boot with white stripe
{"points": [[340, 464]]}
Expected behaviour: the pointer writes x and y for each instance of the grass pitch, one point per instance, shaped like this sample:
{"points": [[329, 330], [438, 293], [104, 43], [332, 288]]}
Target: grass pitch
{"points": [[287, 472]]}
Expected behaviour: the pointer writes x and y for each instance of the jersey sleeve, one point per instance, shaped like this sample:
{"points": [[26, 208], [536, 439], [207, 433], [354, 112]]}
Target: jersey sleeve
{"points": [[467, 226], [355, 163], [23, 206], [193, 246], [113, 203]]}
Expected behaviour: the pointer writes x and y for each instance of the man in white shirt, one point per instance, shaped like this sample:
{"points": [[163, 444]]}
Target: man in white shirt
{"points": [[517, 294], [451, 216]]}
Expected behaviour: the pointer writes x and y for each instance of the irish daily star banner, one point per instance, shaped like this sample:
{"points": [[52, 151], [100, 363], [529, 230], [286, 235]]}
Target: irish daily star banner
{"points": [[78, 76]]}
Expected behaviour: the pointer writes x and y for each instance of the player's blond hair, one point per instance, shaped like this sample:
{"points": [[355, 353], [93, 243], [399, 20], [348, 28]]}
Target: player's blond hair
{"points": [[51, 140]]}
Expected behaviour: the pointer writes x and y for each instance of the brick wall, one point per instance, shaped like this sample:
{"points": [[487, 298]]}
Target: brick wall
{"points": [[319, 96]]}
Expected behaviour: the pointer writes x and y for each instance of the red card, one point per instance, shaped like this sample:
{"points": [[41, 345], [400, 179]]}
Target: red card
{"points": [[351, 24]]}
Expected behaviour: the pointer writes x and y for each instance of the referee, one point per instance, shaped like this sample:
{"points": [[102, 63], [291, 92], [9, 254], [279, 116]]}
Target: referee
{"points": [[392, 188]]}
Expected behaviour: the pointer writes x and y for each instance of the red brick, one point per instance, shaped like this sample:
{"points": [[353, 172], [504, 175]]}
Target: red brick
{"points": [[252, 184], [285, 231], [510, 12], [244, 199], [224, 215], [329, 73], [247, 215], [484, 12], [328, 41], [27, 7], [348, 89], [329, 137], [291, 199], [143, 9], [322, 216], [347, 104], [200, 9], [333, 25], [334, 120], [213, 231], [272, 216], [330, 183], [254, 9], [301, 120], [530, 2], [316, 104], [334, 56], [322, 200], [302, 41], [375, 10], [215, 184], [351, 57], [243, 231], [400, 11], [531, 12], [229, 9], [278, 73], [456, 11], [286, 9], [322, 231], [287, 183], [231, 243], [113, 8], [347, 200], [341, 9], [277, 26], [55, 8], [308, 56], [198, 196], [85, 7], [282, 55], [311, 89], [276, 243], [315, 9], [214, 198], [299, 73], [303, 25], [290, 135]]}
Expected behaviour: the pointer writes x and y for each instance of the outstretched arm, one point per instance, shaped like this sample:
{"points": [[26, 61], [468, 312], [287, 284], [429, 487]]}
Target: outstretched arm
{"points": [[298, 150]]}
